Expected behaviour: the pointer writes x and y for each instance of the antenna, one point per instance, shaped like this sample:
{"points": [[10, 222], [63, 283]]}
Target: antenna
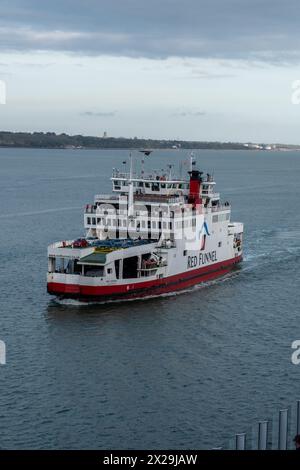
{"points": [[142, 167], [130, 189], [192, 161], [180, 169], [146, 152], [131, 166]]}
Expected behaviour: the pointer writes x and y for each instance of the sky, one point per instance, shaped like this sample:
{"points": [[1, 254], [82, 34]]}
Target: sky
{"points": [[175, 69]]}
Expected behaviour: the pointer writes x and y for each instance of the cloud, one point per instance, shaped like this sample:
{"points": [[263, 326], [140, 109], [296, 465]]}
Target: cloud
{"points": [[98, 113], [189, 114], [202, 74], [254, 30]]}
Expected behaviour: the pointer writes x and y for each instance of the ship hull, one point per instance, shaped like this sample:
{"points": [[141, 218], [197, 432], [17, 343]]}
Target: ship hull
{"points": [[138, 290]]}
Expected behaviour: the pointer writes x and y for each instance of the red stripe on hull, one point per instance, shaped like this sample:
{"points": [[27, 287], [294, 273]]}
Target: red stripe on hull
{"points": [[147, 288]]}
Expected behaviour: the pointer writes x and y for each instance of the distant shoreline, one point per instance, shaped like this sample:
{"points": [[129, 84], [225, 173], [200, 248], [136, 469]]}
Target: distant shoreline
{"points": [[154, 149], [51, 140]]}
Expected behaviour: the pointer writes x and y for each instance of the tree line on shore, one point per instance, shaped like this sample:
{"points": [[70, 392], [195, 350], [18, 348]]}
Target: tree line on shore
{"points": [[62, 141]]}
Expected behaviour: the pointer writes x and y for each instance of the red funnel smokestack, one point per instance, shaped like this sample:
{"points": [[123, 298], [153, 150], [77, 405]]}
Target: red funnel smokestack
{"points": [[195, 187]]}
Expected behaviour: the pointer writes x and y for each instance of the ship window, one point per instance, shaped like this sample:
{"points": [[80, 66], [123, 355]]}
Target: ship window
{"points": [[185, 253], [89, 221], [117, 268], [94, 221], [77, 267], [130, 266], [219, 244], [141, 184], [70, 267], [109, 271], [163, 185], [147, 185], [93, 271], [155, 187], [98, 220]]}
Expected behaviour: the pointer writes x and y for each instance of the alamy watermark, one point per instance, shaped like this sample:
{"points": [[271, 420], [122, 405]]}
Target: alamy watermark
{"points": [[2, 353], [137, 221], [295, 358], [2, 92]]}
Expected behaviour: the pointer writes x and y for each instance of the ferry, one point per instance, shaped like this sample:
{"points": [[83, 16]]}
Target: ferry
{"points": [[155, 234]]}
